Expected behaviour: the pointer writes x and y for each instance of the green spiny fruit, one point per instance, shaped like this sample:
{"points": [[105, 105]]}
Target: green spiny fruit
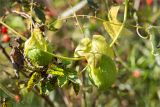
{"points": [[36, 49]]}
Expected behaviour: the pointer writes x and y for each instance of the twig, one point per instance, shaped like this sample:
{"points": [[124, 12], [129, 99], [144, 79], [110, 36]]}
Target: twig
{"points": [[63, 57], [31, 9], [84, 93], [64, 97], [17, 34], [5, 53], [102, 20], [74, 9], [74, 13], [46, 98], [4, 89]]}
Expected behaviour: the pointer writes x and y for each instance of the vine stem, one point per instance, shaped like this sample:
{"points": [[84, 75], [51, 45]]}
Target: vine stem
{"points": [[54, 55], [17, 34], [100, 19], [31, 9], [124, 22], [65, 58], [77, 21]]}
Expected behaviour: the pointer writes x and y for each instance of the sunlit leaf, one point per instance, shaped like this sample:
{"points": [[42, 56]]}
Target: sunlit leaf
{"points": [[113, 12], [53, 72], [99, 45], [83, 48], [33, 80], [113, 25], [55, 25]]}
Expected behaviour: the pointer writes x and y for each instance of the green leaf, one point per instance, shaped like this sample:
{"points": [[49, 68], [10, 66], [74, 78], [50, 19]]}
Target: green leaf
{"points": [[53, 72], [55, 25], [55, 68], [92, 4], [113, 25], [76, 88], [35, 47], [12, 20], [100, 46], [99, 54], [83, 48], [104, 74], [33, 80], [73, 77], [39, 13], [62, 81], [50, 86], [42, 87]]}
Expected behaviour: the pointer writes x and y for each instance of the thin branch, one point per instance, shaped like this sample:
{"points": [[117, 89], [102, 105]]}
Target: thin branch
{"points": [[75, 8], [46, 98], [5, 53], [65, 58], [31, 9], [102, 20], [74, 13], [17, 34], [64, 97]]}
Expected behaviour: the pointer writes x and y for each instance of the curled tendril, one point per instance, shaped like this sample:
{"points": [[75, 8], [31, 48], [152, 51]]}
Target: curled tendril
{"points": [[151, 36], [140, 35]]}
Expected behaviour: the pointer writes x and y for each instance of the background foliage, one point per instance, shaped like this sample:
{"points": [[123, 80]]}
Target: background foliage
{"points": [[137, 59]]}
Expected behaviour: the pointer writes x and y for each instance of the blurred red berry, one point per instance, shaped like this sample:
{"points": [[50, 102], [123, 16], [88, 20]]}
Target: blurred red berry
{"points": [[4, 29], [5, 38], [136, 73], [149, 2], [17, 98]]}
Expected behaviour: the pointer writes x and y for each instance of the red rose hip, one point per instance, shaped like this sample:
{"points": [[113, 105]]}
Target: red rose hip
{"points": [[17, 98], [149, 2], [4, 29], [5, 38]]}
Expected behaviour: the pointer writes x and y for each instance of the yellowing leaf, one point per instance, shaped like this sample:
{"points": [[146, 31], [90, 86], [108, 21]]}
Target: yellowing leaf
{"points": [[55, 25], [113, 12], [102, 70], [113, 25], [50, 71], [99, 45], [83, 48]]}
